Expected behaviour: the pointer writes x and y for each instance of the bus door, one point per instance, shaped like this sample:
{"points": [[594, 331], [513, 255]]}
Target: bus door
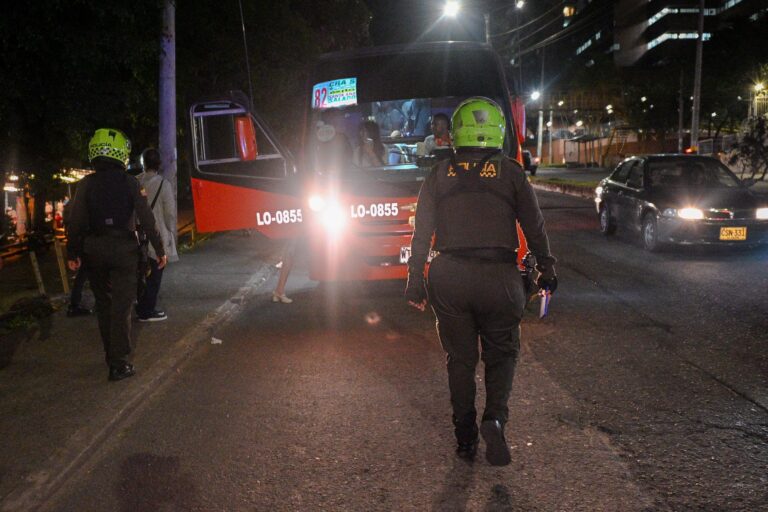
{"points": [[242, 178]]}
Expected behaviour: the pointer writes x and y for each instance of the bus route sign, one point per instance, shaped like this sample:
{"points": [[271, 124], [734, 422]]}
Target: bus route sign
{"points": [[336, 93]]}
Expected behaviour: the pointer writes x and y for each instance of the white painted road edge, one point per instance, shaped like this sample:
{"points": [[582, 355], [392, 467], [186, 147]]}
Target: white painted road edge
{"points": [[42, 485]]}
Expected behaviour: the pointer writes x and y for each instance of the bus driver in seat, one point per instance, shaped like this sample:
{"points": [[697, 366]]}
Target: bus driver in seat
{"points": [[441, 137]]}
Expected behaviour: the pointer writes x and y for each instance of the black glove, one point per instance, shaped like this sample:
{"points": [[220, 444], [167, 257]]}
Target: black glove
{"points": [[416, 289], [547, 283]]}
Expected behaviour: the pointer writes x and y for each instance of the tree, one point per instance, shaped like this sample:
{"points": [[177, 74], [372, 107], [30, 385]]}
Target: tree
{"points": [[79, 65], [751, 154]]}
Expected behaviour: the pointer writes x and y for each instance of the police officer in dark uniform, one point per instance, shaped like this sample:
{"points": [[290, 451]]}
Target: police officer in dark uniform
{"points": [[102, 236], [471, 203]]}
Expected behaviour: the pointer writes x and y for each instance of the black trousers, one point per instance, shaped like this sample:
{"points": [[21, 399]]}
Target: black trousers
{"points": [[148, 300], [477, 301], [112, 265], [76, 295]]}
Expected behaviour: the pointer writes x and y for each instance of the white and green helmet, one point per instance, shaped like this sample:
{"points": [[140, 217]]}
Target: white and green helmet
{"points": [[110, 143]]}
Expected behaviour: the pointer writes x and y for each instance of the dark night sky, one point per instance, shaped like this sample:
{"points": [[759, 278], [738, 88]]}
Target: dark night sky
{"points": [[407, 20]]}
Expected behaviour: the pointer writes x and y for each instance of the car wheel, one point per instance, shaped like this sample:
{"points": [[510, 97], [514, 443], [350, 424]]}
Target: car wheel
{"points": [[607, 224], [650, 233]]}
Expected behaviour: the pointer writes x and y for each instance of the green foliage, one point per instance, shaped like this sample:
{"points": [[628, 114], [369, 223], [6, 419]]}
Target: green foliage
{"points": [[68, 67], [752, 152]]}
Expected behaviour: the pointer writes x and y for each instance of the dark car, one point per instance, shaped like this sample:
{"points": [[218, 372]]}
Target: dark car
{"points": [[530, 163], [678, 199]]}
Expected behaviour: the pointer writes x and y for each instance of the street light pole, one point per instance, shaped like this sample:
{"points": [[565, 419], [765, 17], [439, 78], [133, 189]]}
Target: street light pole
{"points": [[697, 80], [680, 114], [539, 145]]}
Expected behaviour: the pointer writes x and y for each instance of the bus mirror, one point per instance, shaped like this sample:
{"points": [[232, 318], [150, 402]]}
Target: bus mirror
{"points": [[246, 138]]}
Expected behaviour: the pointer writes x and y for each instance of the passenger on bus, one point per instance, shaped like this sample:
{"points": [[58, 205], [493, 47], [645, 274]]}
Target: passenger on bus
{"points": [[334, 152], [389, 117], [417, 117], [370, 151], [441, 137]]}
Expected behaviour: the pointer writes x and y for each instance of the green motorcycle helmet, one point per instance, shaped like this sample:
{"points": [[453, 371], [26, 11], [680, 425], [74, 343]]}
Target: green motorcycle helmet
{"points": [[110, 143], [478, 123]]}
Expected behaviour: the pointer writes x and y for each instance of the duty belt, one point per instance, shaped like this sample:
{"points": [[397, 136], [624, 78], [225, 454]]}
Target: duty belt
{"points": [[491, 254]]}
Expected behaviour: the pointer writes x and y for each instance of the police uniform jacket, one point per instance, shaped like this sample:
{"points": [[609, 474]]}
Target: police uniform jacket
{"points": [[471, 204], [107, 203]]}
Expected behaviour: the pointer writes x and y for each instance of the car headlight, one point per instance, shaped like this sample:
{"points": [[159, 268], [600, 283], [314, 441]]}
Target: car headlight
{"points": [[762, 213], [690, 213]]}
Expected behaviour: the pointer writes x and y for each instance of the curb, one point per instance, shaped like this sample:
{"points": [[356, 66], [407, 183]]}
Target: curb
{"points": [[41, 486], [571, 190]]}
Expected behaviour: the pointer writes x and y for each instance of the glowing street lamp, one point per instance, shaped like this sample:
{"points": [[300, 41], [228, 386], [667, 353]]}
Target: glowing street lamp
{"points": [[560, 103], [759, 86], [643, 99], [520, 4], [451, 9], [579, 123], [535, 95]]}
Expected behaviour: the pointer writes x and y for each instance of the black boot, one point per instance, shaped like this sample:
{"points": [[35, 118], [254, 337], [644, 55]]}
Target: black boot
{"points": [[496, 449], [78, 311], [466, 438], [121, 372]]}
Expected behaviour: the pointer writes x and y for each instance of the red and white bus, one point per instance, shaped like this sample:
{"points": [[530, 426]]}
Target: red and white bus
{"points": [[352, 192]]}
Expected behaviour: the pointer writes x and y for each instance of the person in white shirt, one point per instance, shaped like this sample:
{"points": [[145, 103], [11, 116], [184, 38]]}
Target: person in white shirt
{"points": [[159, 193]]}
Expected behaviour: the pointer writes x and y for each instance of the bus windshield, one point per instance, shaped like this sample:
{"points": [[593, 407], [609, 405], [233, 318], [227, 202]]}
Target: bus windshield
{"points": [[373, 116]]}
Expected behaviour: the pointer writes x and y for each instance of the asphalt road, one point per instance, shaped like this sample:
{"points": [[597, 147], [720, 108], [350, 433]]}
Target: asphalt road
{"points": [[645, 389]]}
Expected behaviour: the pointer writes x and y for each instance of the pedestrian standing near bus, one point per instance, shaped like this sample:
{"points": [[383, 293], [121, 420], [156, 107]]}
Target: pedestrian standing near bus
{"points": [[102, 233], [470, 204], [161, 201]]}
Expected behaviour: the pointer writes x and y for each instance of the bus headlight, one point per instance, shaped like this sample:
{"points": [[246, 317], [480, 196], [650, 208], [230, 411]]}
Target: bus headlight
{"points": [[317, 203], [333, 219]]}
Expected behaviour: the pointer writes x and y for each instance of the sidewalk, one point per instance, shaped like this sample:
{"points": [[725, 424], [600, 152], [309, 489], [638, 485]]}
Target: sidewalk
{"points": [[55, 400]]}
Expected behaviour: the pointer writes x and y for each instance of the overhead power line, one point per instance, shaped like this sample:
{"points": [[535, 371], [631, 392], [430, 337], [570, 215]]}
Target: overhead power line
{"points": [[535, 20], [574, 28]]}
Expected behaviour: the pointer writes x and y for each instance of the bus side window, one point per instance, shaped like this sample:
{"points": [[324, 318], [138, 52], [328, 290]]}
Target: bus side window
{"points": [[230, 137], [215, 138]]}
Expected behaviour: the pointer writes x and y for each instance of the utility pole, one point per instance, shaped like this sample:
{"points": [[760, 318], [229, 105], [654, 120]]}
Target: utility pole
{"points": [[167, 95], [697, 80], [487, 19], [680, 114], [551, 127], [539, 145]]}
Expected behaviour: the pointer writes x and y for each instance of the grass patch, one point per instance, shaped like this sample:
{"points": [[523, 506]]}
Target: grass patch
{"points": [[590, 184]]}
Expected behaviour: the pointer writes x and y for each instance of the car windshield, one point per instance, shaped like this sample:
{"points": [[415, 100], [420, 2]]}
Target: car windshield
{"points": [[690, 173]]}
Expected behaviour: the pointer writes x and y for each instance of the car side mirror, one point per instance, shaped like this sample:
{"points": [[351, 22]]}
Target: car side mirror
{"points": [[749, 182]]}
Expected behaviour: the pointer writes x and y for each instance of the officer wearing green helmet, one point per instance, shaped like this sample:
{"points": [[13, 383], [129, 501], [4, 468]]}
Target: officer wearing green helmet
{"points": [[102, 236], [470, 205]]}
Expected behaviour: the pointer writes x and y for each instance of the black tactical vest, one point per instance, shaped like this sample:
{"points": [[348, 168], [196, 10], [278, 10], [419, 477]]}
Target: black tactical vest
{"points": [[475, 204], [110, 205]]}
